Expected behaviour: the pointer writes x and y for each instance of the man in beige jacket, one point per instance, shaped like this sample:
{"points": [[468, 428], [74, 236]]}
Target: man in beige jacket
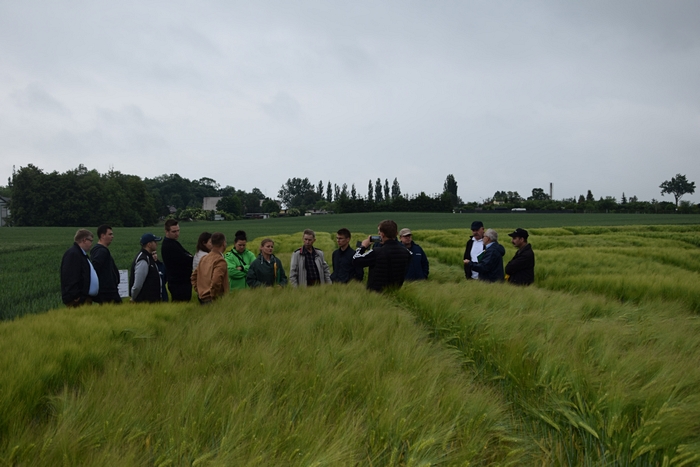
{"points": [[210, 279], [308, 265]]}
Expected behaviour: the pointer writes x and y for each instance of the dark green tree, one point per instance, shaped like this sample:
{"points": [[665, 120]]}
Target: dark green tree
{"points": [[320, 188], [353, 192], [386, 189], [270, 206], [538, 194], [329, 192], [370, 192], [230, 204], [395, 189], [450, 187], [677, 186], [295, 191], [589, 196], [378, 196]]}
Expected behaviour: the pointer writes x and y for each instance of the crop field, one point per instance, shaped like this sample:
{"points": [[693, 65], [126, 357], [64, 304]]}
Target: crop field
{"points": [[596, 364]]}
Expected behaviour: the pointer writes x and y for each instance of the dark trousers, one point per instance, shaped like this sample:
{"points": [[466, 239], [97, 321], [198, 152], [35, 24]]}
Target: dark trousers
{"points": [[180, 291], [79, 302]]}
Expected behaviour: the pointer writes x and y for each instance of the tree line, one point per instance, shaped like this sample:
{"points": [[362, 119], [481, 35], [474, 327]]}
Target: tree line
{"points": [[300, 195], [86, 197]]}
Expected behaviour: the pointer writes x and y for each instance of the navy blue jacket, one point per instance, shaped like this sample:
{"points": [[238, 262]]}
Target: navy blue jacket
{"points": [[418, 268], [343, 270], [490, 265]]}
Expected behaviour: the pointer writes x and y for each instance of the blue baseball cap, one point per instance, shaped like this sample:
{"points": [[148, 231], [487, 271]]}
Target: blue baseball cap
{"points": [[148, 238]]}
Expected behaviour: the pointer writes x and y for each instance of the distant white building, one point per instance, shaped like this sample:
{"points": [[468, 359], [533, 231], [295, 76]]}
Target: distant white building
{"points": [[209, 203], [4, 210]]}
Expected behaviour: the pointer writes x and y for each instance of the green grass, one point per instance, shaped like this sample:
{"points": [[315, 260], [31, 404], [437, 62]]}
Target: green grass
{"points": [[333, 376]]}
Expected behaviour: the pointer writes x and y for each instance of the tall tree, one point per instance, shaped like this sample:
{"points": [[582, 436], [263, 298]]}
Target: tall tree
{"points": [[344, 191], [353, 192], [320, 188], [336, 192], [677, 186], [378, 195], [329, 192], [395, 189], [386, 189], [370, 192], [589, 196], [450, 185]]}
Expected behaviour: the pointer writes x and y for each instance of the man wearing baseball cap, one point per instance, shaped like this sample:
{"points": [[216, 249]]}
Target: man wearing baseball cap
{"points": [[521, 269], [144, 278], [475, 246], [419, 267]]}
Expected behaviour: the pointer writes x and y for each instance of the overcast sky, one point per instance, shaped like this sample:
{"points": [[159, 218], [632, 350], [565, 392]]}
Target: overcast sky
{"points": [[599, 95]]}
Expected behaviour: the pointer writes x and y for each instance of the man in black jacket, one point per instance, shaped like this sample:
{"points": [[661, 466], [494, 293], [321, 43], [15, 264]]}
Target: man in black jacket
{"points": [[343, 269], [144, 279], [521, 269], [388, 264], [178, 263], [79, 282], [104, 265]]}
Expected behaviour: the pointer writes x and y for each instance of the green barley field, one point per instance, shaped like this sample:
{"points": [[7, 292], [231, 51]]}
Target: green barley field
{"points": [[597, 364]]}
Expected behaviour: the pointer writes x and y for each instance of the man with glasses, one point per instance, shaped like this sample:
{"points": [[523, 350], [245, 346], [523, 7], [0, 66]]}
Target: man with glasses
{"points": [[79, 282]]}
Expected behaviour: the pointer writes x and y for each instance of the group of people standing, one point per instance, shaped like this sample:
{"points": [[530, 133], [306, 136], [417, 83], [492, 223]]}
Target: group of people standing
{"points": [[391, 257], [483, 257]]}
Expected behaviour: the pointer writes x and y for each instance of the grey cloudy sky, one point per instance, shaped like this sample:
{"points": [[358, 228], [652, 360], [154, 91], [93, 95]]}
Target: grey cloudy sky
{"points": [[505, 95]]}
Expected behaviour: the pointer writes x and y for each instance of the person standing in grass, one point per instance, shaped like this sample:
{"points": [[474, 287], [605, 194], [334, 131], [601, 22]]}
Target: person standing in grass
{"points": [[343, 270], [163, 276], [203, 248], [308, 266], [106, 270], [490, 262], [387, 264], [267, 269], [475, 246], [79, 281], [210, 279], [178, 263], [238, 261], [418, 268], [521, 269], [144, 278]]}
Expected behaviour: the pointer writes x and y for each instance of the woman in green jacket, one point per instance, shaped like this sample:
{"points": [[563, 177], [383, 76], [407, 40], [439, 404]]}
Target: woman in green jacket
{"points": [[239, 260], [266, 270]]}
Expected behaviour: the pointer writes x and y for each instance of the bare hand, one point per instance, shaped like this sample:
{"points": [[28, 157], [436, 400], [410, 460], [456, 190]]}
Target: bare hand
{"points": [[366, 242]]}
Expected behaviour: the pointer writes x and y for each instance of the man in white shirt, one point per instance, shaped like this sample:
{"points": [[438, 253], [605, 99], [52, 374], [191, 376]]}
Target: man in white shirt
{"points": [[475, 246]]}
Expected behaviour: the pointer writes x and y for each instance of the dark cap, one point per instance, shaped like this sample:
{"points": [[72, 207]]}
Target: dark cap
{"points": [[148, 238], [519, 233], [476, 225]]}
